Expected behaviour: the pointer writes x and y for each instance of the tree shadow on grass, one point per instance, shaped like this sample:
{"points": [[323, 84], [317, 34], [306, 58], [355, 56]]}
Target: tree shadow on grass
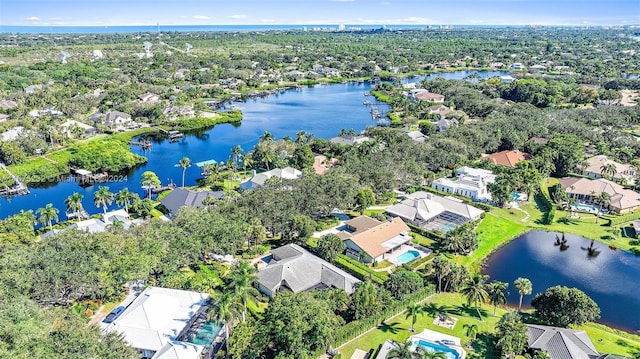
{"points": [[470, 311], [434, 309], [484, 347], [392, 328]]}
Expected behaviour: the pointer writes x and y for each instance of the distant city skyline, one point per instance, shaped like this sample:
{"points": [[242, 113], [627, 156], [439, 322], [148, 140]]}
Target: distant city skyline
{"points": [[316, 12]]}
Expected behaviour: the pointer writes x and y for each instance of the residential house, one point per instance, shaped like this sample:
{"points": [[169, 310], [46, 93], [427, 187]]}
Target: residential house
{"points": [[179, 111], [349, 140], [587, 190], [370, 240], [433, 212], [149, 97], [440, 110], [181, 197], [8, 104], [496, 65], [507, 158], [321, 164], [117, 120], [470, 182], [416, 136], [259, 179], [159, 320], [291, 268], [561, 343], [331, 72], [68, 128], [429, 96], [636, 228], [295, 75], [12, 134], [538, 68], [443, 124], [3, 117], [507, 79], [96, 118], [98, 225], [516, 66], [33, 88], [595, 165]]}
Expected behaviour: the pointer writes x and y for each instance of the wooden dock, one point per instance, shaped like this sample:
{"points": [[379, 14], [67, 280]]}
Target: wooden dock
{"points": [[18, 188], [87, 177], [174, 136], [144, 144]]}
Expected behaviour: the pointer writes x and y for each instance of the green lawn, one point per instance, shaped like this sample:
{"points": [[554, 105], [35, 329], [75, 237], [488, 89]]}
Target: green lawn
{"points": [[455, 305], [606, 340], [493, 232]]}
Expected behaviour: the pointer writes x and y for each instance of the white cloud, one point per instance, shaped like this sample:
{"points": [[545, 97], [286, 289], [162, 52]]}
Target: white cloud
{"points": [[414, 19], [33, 18], [238, 16], [201, 17]]}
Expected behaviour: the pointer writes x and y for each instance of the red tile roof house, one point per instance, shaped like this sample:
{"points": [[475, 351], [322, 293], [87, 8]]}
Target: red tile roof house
{"points": [[507, 158], [429, 96], [370, 240]]}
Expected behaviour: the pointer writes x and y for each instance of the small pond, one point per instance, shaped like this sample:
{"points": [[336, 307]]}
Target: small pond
{"points": [[608, 276]]}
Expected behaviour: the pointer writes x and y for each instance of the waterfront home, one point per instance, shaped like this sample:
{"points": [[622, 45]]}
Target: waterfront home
{"points": [[508, 158], [117, 120], [587, 190], [179, 111], [97, 225], [259, 179], [86, 130], [349, 140], [507, 79], [430, 341], [181, 197], [596, 165], [158, 321], [561, 343], [470, 182], [292, 268], [516, 66], [433, 212], [429, 97], [370, 240]]}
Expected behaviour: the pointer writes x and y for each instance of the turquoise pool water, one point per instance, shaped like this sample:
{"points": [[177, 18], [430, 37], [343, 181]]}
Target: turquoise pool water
{"points": [[434, 348], [446, 228], [585, 208], [206, 334], [408, 256]]}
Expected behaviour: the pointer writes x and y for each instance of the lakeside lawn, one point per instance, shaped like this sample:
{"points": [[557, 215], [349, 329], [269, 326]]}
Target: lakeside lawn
{"points": [[606, 340]]}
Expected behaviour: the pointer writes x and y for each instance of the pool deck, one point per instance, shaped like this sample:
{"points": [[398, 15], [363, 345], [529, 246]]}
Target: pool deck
{"points": [[393, 257], [440, 339]]}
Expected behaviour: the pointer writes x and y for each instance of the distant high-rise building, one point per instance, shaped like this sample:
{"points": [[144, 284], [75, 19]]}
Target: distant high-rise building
{"points": [[341, 27]]}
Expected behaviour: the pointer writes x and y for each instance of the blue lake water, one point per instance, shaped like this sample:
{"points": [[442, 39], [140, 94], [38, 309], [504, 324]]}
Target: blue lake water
{"points": [[610, 278], [322, 110]]}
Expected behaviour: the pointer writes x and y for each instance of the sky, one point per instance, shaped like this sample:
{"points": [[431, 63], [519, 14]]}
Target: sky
{"points": [[310, 12]]}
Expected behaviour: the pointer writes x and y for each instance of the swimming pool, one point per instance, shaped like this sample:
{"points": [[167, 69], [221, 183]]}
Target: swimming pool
{"points": [[408, 256], [206, 334], [585, 208], [444, 228], [434, 348]]}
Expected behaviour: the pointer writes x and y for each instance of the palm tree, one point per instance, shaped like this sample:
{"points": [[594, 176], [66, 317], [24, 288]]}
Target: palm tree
{"points": [[247, 161], [29, 216], [524, 287], [266, 136], [74, 204], [401, 351], [474, 290], [269, 157], [301, 137], [412, 312], [235, 153], [185, 163], [442, 268], [124, 197], [608, 169], [243, 275], [604, 200], [150, 181], [103, 198], [497, 293], [471, 331], [432, 355], [47, 215], [224, 309]]}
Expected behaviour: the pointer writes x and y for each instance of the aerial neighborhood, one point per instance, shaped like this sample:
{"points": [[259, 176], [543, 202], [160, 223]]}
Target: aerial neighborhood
{"points": [[320, 192]]}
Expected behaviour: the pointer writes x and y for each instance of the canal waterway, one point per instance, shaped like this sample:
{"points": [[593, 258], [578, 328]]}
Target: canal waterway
{"points": [[609, 276], [322, 110]]}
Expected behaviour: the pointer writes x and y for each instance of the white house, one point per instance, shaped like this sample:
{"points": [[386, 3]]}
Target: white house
{"points": [[117, 120], [157, 320], [12, 134], [516, 66], [68, 126], [149, 97], [470, 182]]}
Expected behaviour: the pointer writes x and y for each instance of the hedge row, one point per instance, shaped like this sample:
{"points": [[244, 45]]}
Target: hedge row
{"points": [[546, 201], [360, 270], [351, 330], [424, 232], [615, 220]]}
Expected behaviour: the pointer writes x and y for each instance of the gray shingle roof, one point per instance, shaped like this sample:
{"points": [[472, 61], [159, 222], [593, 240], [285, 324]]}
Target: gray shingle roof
{"points": [[561, 343], [299, 270], [182, 197]]}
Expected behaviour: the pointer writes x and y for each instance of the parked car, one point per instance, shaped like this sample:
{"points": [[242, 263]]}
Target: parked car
{"points": [[113, 315]]}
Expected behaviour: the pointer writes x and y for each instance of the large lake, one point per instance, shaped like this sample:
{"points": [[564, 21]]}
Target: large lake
{"points": [[322, 110], [610, 278]]}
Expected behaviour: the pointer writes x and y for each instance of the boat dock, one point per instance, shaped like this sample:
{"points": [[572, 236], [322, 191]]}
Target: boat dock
{"points": [[156, 190], [175, 136], [18, 188], [144, 144], [88, 177]]}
